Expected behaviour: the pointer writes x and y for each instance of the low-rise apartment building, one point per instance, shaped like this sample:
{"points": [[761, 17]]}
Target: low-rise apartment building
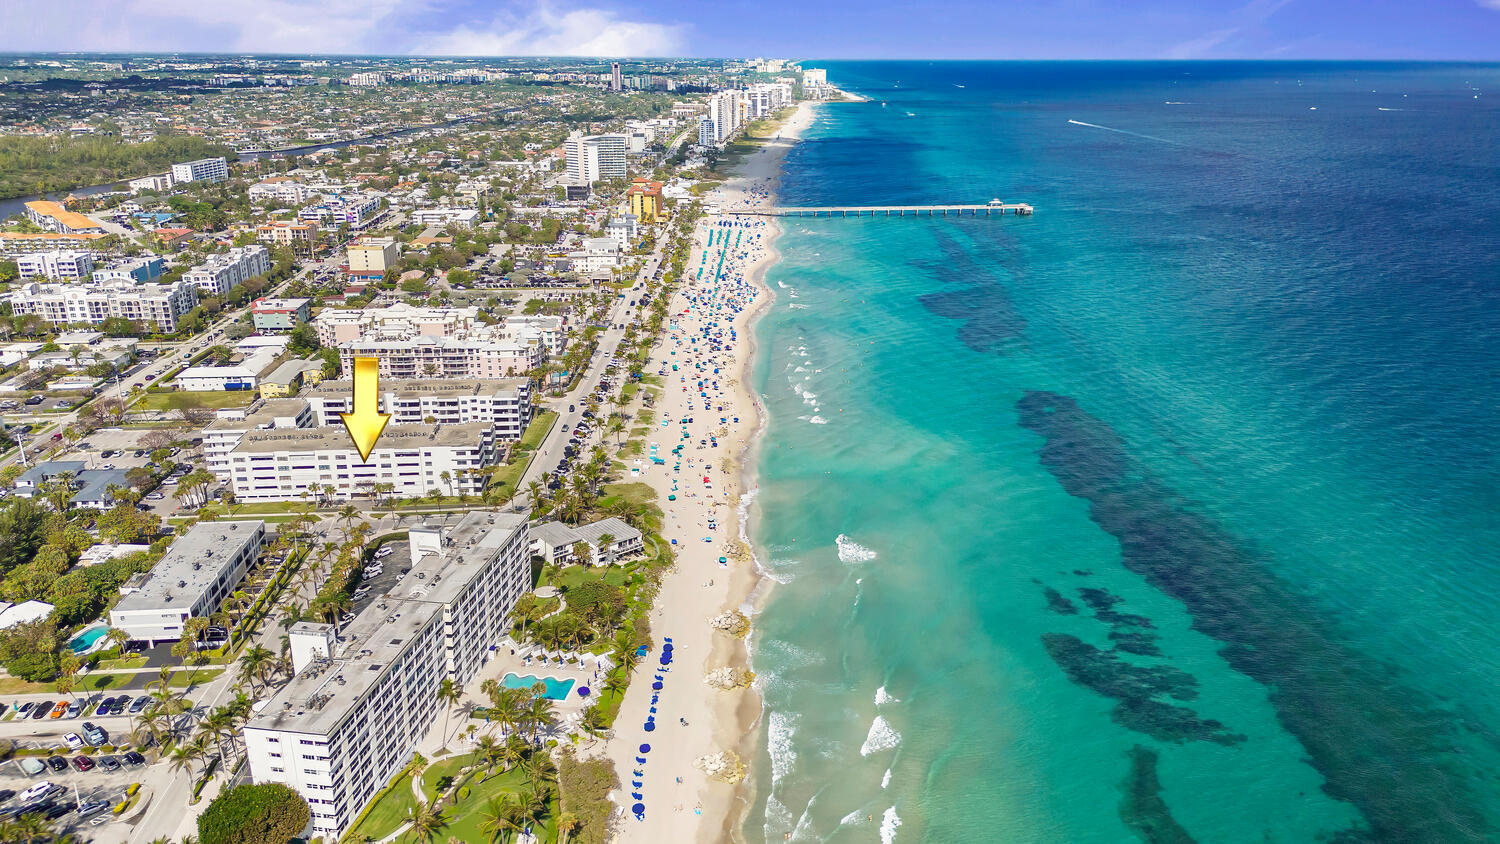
{"points": [[53, 217], [370, 257], [200, 569], [224, 433], [300, 236], [356, 210], [20, 243], [278, 315], [221, 273], [202, 170], [361, 701], [280, 189], [60, 265], [336, 326], [155, 305], [282, 465], [503, 403]]}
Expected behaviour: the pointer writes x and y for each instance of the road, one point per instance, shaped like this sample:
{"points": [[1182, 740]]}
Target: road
{"points": [[550, 451]]}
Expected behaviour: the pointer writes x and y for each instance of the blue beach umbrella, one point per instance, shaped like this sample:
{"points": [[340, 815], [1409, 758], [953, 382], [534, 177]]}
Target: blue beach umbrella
{"points": [[649, 726], [645, 748], [656, 687]]}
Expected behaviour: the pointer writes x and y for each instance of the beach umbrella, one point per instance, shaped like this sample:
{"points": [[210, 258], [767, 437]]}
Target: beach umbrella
{"points": [[645, 748], [656, 686], [649, 726], [583, 691], [640, 760]]}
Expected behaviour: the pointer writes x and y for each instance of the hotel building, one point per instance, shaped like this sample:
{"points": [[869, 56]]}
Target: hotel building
{"points": [[281, 465], [504, 404], [197, 573], [363, 697], [595, 158]]}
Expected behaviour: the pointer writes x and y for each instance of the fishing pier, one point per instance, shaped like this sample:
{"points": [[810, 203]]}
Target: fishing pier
{"points": [[1018, 209]]}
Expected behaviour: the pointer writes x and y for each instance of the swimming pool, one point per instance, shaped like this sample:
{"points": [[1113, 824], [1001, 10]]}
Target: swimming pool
{"points": [[556, 689], [87, 639]]}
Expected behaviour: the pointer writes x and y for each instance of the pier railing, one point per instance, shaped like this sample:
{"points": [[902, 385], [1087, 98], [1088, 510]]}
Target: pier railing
{"points": [[1019, 209]]}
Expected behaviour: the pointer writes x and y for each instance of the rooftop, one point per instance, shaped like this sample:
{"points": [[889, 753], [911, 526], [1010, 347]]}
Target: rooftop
{"points": [[263, 416], [419, 387], [191, 565], [324, 692], [336, 438], [71, 219]]}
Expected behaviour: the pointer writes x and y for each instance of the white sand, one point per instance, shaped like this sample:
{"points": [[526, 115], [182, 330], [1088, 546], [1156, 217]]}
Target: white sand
{"points": [[682, 804]]}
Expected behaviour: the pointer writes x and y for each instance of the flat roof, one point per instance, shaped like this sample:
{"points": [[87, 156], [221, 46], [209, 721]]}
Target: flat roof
{"points": [[336, 438], [191, 565], [418, 387], [326, 690], [50, 235], [265, 415]]}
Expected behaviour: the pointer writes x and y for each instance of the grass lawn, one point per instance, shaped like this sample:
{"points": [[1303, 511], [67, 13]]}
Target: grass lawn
{"points": [[520, 457], [465, 817], [446, 767], [100, 682], [214, 399], [389, 812]]}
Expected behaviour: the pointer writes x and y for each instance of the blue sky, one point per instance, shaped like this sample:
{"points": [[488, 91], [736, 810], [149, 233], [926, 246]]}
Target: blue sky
{"points": [[1023, 29]]}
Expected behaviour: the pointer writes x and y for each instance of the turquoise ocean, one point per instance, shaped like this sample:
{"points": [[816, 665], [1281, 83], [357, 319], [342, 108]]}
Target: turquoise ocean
{"points": [[1171, 513]]}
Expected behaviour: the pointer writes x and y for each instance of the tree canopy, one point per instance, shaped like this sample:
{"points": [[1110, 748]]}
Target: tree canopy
{"points": [[269, 813]]}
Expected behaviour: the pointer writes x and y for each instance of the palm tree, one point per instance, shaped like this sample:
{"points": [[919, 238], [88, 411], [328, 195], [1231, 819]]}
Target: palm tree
{"points": [[567, 824], [499, 817], [488, 752], [253, 664], [348, 514], [593, 721], [427, 822], [448, 694], [185, 756]]}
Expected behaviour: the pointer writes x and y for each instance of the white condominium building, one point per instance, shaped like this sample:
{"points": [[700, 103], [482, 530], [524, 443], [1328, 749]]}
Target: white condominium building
{"points": [[68, 266], [460, 356], [370, 257], [595, 158], [280, 189], [357, 210], [363, 697], [224, 433], [766, 98], [198, 572], [281, 465], [222, 273], [158, 305], [503, 403], [399, 320], [202, 170], [444, 216]]}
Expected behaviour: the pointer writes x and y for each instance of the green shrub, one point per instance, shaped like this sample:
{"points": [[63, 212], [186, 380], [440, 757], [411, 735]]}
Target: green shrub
{"points": [[270, 813]]}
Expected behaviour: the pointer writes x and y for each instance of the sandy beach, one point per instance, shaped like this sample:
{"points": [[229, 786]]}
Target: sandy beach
{"points": [[708, 410]]}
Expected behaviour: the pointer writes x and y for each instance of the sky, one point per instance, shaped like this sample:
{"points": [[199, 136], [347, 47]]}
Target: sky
{"points": [[815, 29]]}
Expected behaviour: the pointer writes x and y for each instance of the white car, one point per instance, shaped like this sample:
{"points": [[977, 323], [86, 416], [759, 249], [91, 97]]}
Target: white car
{"points": [[74, 741], [36, 792]]}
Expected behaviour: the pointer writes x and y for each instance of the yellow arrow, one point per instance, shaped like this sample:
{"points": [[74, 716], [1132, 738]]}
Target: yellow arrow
{"points": [[366, 422]]}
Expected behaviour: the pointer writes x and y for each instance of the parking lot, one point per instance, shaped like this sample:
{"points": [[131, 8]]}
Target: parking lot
{"points": [[393, 566], [77, 788]]}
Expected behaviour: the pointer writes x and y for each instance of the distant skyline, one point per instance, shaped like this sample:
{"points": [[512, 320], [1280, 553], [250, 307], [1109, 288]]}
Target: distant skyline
{"points": [[897, 29]]}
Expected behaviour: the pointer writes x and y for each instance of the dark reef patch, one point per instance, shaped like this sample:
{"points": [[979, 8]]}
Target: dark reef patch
{"points": [[1102, 602], [1058, 602], [1142, 808], [1380, 745], [990, 318], [1135, 689]]}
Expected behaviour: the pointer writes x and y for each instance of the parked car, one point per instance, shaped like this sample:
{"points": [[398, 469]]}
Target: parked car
{"points": [[94, 735], [83, 763], [73, 741], [133, 759], [89, 808], [74, 710], [109, 763], [41, 710], [24, 709], [57, 763], [38, 791]]}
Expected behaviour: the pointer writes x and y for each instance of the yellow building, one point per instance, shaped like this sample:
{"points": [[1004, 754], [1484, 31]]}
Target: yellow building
{"points": [[646, 201]]}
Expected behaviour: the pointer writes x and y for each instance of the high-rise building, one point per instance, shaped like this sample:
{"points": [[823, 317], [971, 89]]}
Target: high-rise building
{"points": [[202, 170], [595, 158], [364, 696], [615, 80]]}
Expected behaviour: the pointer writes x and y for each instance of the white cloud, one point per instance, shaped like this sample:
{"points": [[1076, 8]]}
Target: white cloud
{"points": [[1490, 4], [327, 26], [1246, 18], [544, 32]]}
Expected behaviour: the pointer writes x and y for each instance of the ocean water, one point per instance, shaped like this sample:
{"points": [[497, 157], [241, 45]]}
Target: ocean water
{"points": [[1170, 513]]}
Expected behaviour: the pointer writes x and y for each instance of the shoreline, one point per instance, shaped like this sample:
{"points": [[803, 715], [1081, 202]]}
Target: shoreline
{"points": [[698, 722]]}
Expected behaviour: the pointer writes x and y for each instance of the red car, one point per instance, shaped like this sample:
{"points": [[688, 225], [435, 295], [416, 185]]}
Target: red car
{"points": [[83, 763]]}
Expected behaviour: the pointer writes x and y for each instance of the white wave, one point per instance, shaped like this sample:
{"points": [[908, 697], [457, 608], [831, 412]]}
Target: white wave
{"points": [[885, 781], [778, 817], [851, 551], [799, 368], [781, 284], [854, 818], [780, 728], [817, 420], [882, 737], [806, 394], [889, 822], [882, 697], [796, 307]]}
